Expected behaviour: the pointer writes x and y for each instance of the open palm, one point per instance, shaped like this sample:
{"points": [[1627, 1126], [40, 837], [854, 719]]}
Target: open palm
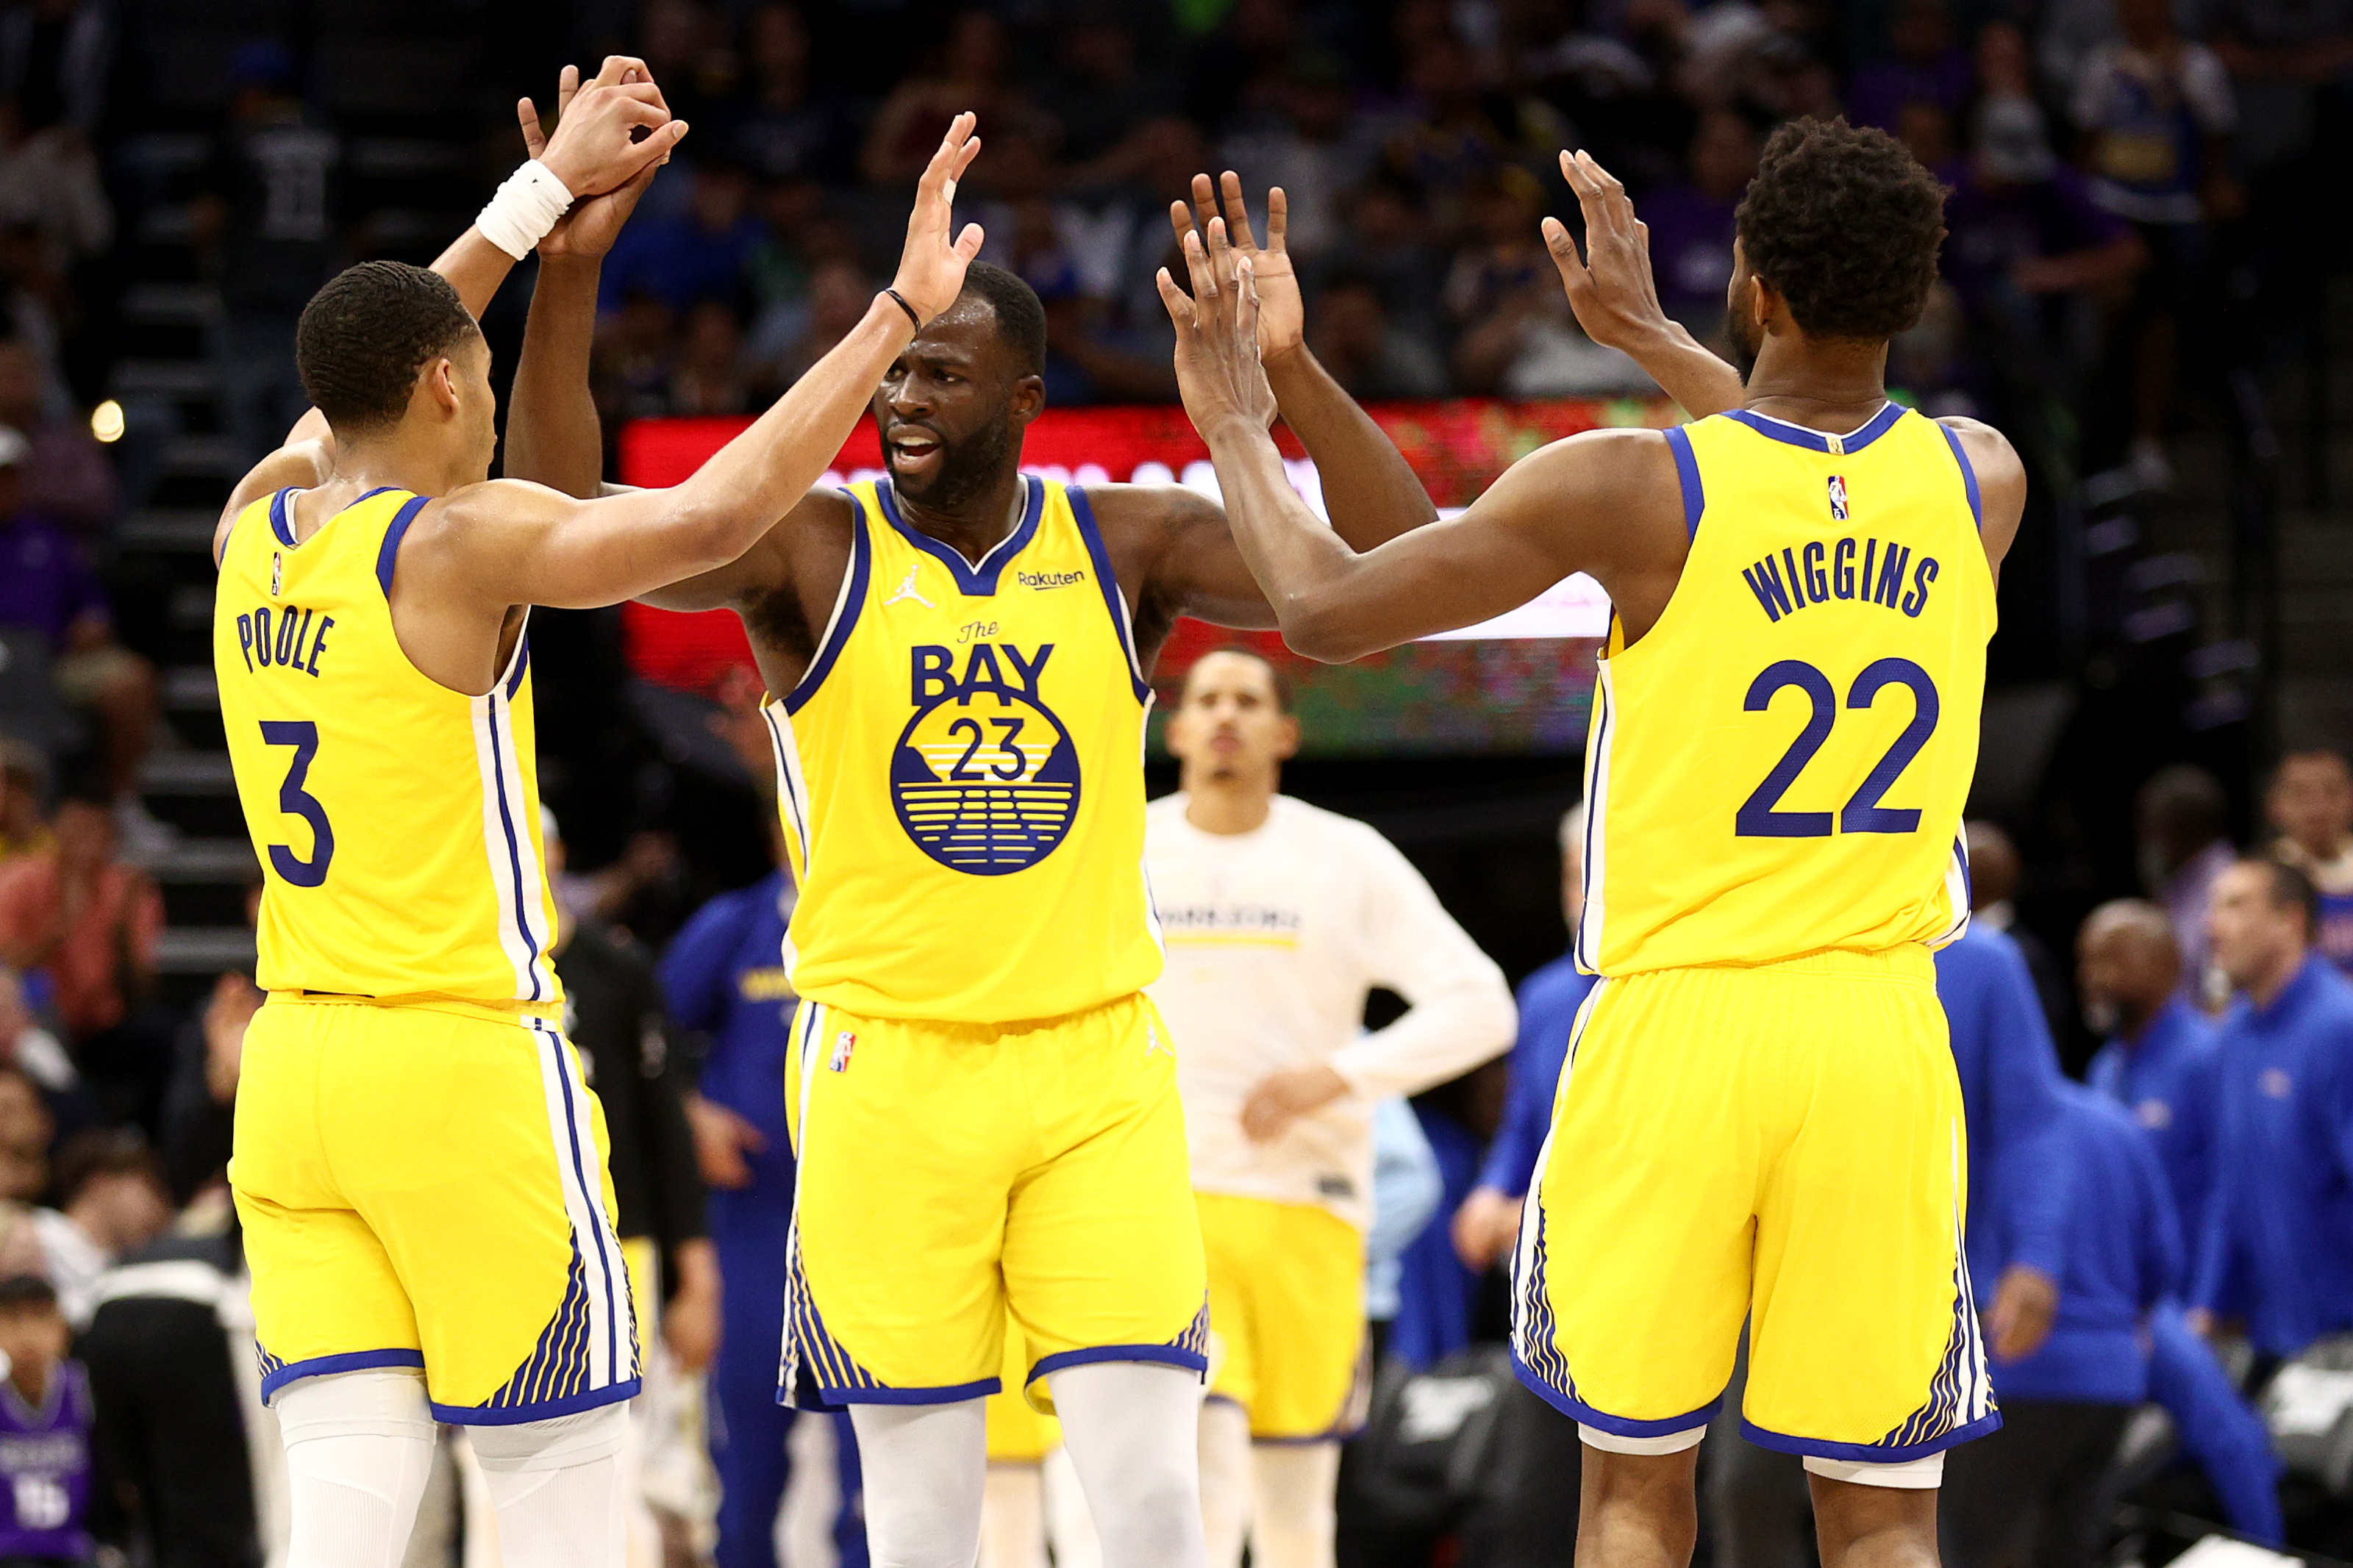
{"points": [[1283, 315]]}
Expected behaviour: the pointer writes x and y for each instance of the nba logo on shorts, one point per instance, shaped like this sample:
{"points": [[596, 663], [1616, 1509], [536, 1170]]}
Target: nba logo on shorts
{"points": [[1838, 498], [843, 1044]]}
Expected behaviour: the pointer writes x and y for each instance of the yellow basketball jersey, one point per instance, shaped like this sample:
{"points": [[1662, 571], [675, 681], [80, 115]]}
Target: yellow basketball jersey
{"points": [[960, 775], [1779, 767], [396, 820]]}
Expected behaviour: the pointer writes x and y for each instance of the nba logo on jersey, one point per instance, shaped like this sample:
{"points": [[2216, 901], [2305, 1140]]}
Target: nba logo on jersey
{"points": [[843, 1044], [277, 574], [1838, 498]]}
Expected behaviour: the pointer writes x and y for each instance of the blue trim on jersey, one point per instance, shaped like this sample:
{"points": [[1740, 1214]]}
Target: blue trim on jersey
{"points": [[546, 1410], [345, 1360], [1115, 604], [514, 855], [1617, 1426], [973, 582], [952, 1394], [1165, 1355], [837, 637], [1814, 440], [387, 555], [521, 659], [1687, 470], [220, 548], [280, 523], [620, 1316], [1869, 1453], [1969, 473]]}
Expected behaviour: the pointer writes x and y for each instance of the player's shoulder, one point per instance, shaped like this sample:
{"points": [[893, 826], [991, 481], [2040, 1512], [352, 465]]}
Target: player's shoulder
{"points": [[1990, 451], [1128, 507]]}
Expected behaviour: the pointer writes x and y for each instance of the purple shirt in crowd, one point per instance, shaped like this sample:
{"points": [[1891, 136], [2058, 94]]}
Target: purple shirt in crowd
{"points": [[46, 584], [1691, 252], [45, 1465]]}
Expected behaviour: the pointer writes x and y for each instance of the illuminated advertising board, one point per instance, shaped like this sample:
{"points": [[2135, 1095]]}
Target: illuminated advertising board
{"points": [[1520, 683]]}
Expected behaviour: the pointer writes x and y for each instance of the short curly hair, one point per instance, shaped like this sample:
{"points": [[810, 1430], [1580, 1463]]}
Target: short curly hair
{"points": [[364, 337], [1846, 225]]}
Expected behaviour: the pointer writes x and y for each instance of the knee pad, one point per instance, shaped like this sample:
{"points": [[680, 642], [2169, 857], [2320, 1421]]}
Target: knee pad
{"points": [[556, 1445]]}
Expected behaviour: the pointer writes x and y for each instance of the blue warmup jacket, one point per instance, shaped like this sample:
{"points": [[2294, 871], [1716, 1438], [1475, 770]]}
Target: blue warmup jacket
{"points": [[725, 974], [2167, 1081], [2278, 1247], [2215, 1426], [1548, 1001], [2009, 1089], [2123, 1257]]}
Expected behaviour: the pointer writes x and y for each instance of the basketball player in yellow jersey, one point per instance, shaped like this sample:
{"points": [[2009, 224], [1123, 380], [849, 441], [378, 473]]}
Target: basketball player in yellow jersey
{"points": [[418, 1166], [984, 1103], [1761, 1119]]}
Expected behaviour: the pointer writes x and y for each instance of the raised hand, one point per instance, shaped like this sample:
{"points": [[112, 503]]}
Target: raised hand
{"points": [[1218, 372], [1610, 288], [589, 229], [1282, 316], [931, 269], [596, 148]]}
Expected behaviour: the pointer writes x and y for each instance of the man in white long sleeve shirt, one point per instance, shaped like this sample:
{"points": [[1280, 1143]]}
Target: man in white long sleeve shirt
{"points": [[1279, 919]]}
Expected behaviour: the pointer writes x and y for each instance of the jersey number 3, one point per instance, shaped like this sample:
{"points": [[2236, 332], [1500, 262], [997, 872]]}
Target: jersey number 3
{"points": [[1757, 817], [302, 734]]}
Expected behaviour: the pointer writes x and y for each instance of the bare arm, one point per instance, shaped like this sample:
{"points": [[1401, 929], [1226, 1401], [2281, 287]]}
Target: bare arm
{"points": [[552, 434], [1370, 493], [508, 541], [2001, 485], [1554, 512], [597, 154]]}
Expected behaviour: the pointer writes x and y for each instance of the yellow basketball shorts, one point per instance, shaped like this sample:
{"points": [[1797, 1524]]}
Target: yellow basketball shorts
{"points": [[951, 1173], [1780, 1144], [424, 1186], [1286, 1314]]}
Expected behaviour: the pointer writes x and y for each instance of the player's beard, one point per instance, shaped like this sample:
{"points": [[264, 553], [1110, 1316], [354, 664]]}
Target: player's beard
{"points": [[969, 468], [1747, 341]]}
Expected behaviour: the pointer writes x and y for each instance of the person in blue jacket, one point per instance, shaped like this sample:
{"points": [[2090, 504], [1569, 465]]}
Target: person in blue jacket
{"points": [[2035, 1491], [2160, 1061], [724, 977], [2010, 1081], [2278, 1247], [1488, 1223], [2016, 1239]]}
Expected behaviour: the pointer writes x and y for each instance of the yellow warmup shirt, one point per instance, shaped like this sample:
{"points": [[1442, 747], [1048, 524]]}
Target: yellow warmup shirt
{"points": [[960, 775], [396, 821], [1779, 767]]}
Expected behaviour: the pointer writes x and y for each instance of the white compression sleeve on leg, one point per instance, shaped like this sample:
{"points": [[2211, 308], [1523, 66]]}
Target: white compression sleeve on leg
{"points": [[1296, 1521], [359, 1445], [557, 1487], [1132, 1430], [1225, 1456], [1013, 1517], [925, 1468]]}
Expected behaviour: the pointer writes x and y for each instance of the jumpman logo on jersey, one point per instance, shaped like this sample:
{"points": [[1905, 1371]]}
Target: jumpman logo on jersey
{"points": [[907, 590]]}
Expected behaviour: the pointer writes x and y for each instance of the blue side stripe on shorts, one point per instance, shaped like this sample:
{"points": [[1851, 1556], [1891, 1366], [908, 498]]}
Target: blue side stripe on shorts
{"points": [[559, 1366]]}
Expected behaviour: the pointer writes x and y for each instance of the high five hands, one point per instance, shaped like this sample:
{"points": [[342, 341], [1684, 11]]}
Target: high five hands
{"points": [[1219, 370], [595, 221], [1609, 286], [597, 147], [1283, 315]]}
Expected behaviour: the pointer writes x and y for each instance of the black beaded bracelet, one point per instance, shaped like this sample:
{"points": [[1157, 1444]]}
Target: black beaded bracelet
{"points": [[900, 301]]}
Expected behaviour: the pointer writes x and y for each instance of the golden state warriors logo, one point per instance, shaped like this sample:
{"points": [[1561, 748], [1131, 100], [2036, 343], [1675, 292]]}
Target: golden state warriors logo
{"points": [[984, 778]]}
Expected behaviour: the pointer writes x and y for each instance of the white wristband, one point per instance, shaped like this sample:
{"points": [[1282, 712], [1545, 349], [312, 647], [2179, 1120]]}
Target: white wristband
{"points": [[524, 209]]}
